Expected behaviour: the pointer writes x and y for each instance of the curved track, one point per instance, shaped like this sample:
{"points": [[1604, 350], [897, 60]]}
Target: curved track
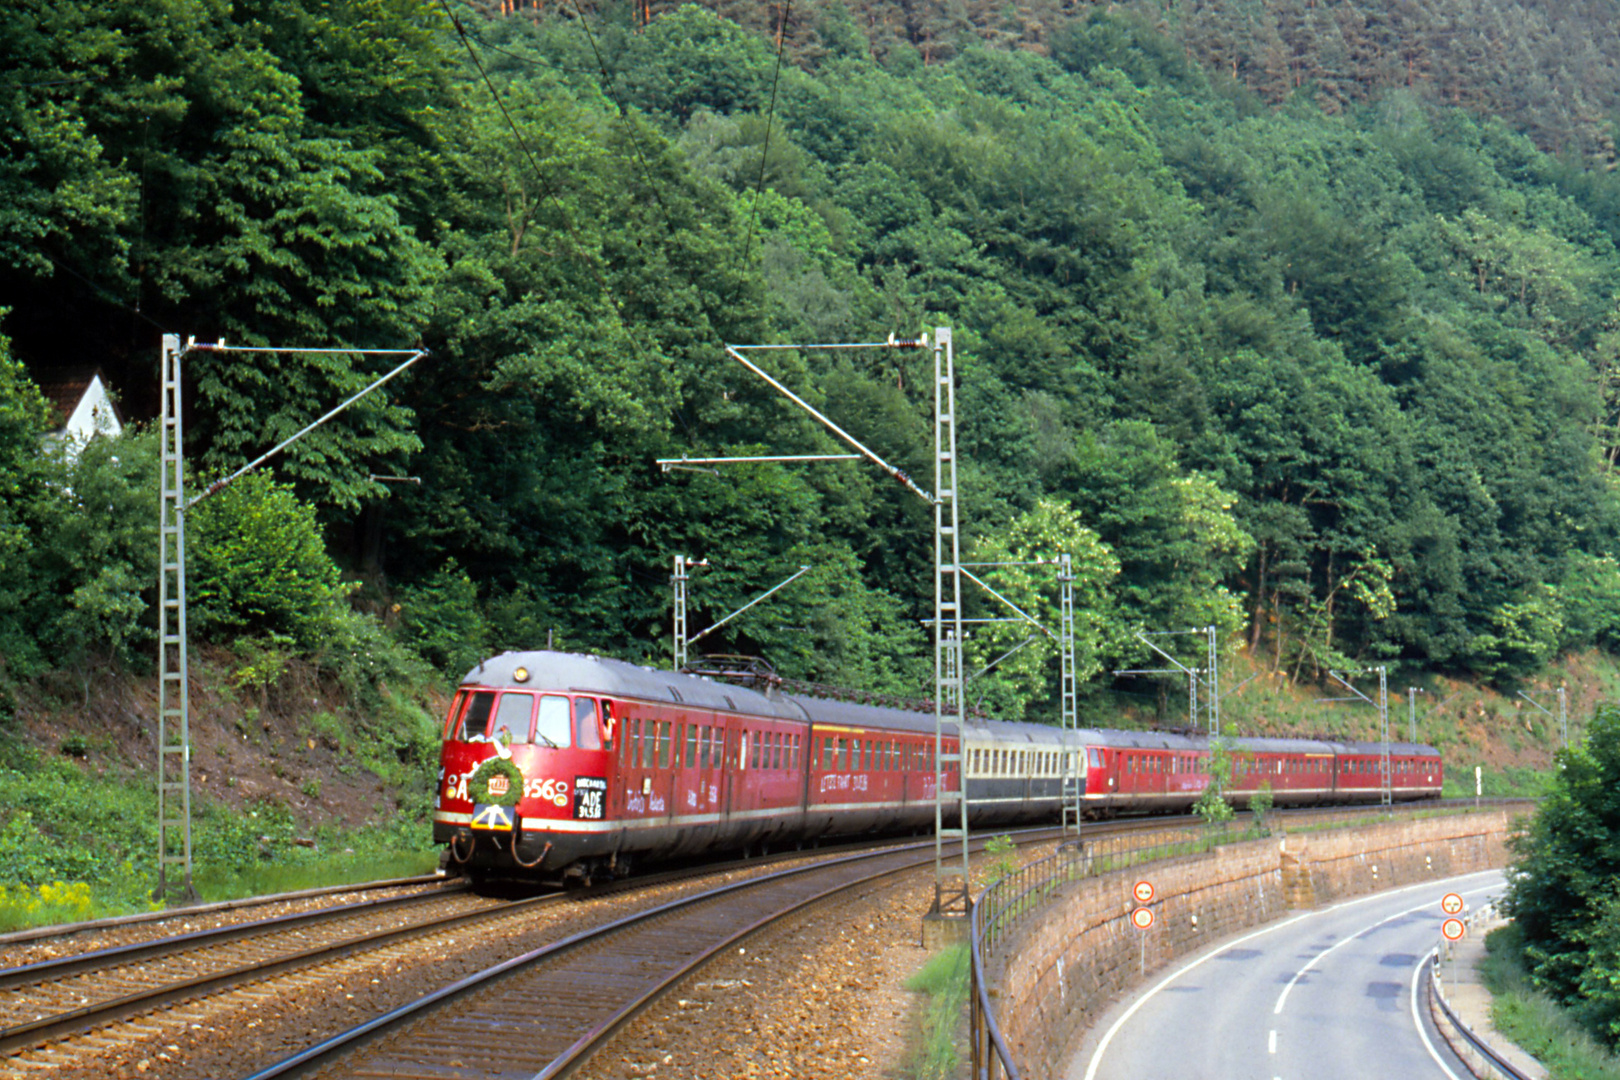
{"points": [[544, 1012]]}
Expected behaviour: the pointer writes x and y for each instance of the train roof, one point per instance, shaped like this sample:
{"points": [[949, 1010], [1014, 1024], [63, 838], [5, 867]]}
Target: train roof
{"points": [[832, 711], [1009, 731], [565, 672], [1402, 749], [1169, 740], [583, 673]]}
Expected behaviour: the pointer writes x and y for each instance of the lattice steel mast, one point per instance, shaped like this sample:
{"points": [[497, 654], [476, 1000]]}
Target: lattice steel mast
{"points": [[174, 693], [951, 896], [174, 703]]}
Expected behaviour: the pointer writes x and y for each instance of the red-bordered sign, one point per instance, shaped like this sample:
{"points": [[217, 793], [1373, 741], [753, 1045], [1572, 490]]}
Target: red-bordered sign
{"points": [[1143, 892], [1142, 918], [1451, 904], [1453, 929]]}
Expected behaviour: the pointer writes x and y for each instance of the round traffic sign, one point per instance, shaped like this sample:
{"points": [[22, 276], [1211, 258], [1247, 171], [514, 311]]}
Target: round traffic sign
{"points": [[1451, 903], [1142, 917], [1453, 929], [1143, 892]]}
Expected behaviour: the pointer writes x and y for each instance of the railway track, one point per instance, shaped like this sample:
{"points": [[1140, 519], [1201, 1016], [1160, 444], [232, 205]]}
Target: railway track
{"points": [[542, 1013], [53, 999], [64, 1012], [62, 1001]]}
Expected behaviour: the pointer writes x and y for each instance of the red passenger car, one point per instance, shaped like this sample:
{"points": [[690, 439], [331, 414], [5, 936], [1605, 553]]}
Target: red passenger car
{"points": [[558, 766]]}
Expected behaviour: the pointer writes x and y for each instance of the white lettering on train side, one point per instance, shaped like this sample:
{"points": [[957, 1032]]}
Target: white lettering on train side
{"points": [[554, 792]]}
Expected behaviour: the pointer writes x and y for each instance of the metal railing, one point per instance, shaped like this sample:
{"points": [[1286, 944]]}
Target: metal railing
{"points": [[1001, 905], [1437, 993]]}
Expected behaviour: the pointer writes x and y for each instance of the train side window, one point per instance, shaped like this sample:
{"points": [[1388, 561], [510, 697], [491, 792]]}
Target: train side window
{"points": [[632, 741], [691, 745], [716, 755], [780, 754], [453, 717], [610, 725], [587, 735], [475, 724], [666, 730], [843, 755]]}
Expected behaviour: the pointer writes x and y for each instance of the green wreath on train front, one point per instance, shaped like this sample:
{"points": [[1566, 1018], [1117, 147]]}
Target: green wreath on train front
{"points": [[478, 785]]}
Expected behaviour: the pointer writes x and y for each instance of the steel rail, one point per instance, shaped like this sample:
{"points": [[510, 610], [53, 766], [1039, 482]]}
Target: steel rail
{"points": [[324, 1054], [77, 1021], [193, 910], [98, 959]]}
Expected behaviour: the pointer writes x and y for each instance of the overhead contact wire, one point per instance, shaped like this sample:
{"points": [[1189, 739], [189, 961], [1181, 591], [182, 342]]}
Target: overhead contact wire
{"points": [[770, 115], [546, 189]]}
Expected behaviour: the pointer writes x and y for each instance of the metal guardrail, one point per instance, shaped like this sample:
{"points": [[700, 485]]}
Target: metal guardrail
{"points": [[1001, 905], [1436, 993]]}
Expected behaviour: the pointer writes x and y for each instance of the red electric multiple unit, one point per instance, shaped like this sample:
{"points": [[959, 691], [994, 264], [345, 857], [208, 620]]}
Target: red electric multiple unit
{"points": [[558, 765]]}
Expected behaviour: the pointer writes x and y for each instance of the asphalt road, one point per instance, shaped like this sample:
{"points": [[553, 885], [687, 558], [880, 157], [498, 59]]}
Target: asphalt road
{"points": [[1328, 994]]}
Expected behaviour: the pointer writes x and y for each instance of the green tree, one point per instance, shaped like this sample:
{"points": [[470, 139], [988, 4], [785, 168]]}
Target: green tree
{"points": [[258, 564], [23, 419], [1566, 868], [441, 619], [1211, 805], [1028, 683], [98, 549]]}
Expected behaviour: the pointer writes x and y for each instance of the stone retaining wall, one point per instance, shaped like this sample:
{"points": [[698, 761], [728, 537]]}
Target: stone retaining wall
{"points": [[1052, 976]]}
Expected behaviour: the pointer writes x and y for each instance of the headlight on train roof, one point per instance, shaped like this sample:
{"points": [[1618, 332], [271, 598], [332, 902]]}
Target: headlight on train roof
{"points": [[520, 675]]}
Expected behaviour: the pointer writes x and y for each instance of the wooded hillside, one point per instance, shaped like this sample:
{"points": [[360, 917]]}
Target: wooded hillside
{"points": [[1334, 370]]}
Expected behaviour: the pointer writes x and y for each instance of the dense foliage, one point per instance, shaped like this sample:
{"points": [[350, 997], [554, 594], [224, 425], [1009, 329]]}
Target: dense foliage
{"points": [[1564, 893], [1336, 370]]}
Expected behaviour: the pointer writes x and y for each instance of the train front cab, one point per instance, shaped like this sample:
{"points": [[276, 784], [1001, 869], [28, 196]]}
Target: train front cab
{"points": [[524, 777]]}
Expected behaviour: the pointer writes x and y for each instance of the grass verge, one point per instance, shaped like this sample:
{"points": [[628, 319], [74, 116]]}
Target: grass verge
{"points": [[1534, 1021], [942, 983]]}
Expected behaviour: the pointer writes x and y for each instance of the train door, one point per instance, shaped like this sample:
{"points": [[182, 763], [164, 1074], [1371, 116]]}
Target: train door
{"points": [[614, 739], [730, 741], [710, 757]]}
